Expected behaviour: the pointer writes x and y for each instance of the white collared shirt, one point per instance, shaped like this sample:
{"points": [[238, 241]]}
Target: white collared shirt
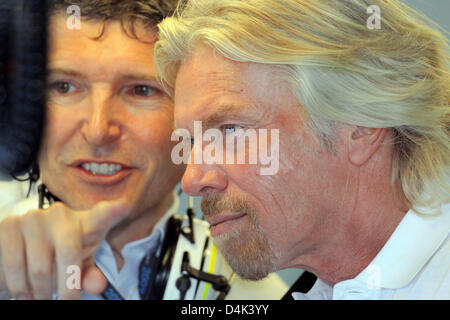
{"points": [[413, 264], [126, 281]]}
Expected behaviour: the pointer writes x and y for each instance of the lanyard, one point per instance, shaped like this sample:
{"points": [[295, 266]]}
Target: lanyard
{"points": [[147, 273]]}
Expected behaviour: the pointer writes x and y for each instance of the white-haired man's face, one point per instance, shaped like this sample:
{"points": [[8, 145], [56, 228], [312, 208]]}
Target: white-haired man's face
{"points": [[261, 223]]}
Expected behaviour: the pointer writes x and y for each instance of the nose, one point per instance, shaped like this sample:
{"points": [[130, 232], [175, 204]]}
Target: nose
{"points": [[200, 180], [100, 128]]}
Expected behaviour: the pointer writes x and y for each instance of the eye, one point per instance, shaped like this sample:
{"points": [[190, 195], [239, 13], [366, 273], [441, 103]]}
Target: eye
{"points": [[63, 87], [230, 128], [142, 90]]}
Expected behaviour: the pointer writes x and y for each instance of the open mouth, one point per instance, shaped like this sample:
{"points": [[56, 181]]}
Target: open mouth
{"points": [[104, 172], [104, 169]]}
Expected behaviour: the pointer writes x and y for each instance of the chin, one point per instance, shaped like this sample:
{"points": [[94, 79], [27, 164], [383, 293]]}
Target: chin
{"points": [[87, 203]]}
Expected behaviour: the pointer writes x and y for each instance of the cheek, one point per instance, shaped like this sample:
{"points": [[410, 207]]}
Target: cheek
{"points": [[312, 177], [57, 133], [273, 210], [280, 198], [265, 193]]}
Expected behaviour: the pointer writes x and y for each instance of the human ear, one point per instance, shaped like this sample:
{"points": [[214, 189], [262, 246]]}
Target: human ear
{"points": [[364, 142]]}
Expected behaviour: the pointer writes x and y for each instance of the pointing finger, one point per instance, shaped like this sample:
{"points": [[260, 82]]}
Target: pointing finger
{"points": [[93, 280], [96, 223]]}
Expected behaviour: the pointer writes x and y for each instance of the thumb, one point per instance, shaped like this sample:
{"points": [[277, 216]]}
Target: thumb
{"points": [[96, 223]]}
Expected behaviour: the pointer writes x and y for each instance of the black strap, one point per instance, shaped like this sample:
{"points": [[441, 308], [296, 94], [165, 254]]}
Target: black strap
{"points": [[110, 293], [303, 284], [165, 259]]}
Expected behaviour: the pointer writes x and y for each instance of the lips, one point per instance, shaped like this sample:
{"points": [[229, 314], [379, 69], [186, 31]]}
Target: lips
{"points": [[104, 172], [80, 162], [223, 223]]}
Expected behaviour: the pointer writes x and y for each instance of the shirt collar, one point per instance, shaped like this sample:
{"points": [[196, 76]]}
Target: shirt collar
{"points": [[137, 249], [319, 291], [158, 230], [413, 242], [411, 245]]}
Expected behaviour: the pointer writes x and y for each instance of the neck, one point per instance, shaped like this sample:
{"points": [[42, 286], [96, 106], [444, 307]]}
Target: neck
{"points": [[357, 233], [355, 250], [137, 227]]}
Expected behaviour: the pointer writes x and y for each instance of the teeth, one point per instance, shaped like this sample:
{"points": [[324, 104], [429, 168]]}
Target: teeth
{"points": [[102, 169], [94, 168]]}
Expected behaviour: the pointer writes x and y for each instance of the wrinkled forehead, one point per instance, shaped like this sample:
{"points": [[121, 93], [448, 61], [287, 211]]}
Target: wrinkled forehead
{"points": [[206, 81]]}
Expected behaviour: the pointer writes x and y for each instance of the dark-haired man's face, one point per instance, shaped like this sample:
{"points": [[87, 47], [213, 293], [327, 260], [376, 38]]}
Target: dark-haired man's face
{"points": [[108, 123]]}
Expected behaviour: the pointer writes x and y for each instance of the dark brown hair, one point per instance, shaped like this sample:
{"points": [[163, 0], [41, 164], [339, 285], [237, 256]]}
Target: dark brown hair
{"points": [[127, 12]]}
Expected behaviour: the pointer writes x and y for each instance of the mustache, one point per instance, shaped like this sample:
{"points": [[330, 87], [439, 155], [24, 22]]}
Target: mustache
{"points": [[215, 204]]}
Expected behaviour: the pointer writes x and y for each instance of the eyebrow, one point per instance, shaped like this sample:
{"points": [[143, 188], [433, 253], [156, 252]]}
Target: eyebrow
{"points": [[139, 76], [220, 114], [69, 72], [226, 112], [125, 77]]}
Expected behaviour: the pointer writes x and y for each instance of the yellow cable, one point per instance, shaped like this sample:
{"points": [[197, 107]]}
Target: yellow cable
{"points": [[211, 269]]}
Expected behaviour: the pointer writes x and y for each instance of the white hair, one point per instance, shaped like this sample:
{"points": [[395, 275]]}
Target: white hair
{"points": [[341, 71]]}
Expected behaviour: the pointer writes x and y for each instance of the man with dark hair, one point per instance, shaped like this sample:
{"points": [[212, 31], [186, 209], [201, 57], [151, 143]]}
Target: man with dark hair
{"points": [[105, 168]]}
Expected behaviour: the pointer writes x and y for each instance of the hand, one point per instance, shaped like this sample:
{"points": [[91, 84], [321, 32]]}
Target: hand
{"points": [[36, 249]]}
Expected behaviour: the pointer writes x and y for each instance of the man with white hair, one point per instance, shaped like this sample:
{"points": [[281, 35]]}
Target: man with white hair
{"points": [[361, 197]]}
